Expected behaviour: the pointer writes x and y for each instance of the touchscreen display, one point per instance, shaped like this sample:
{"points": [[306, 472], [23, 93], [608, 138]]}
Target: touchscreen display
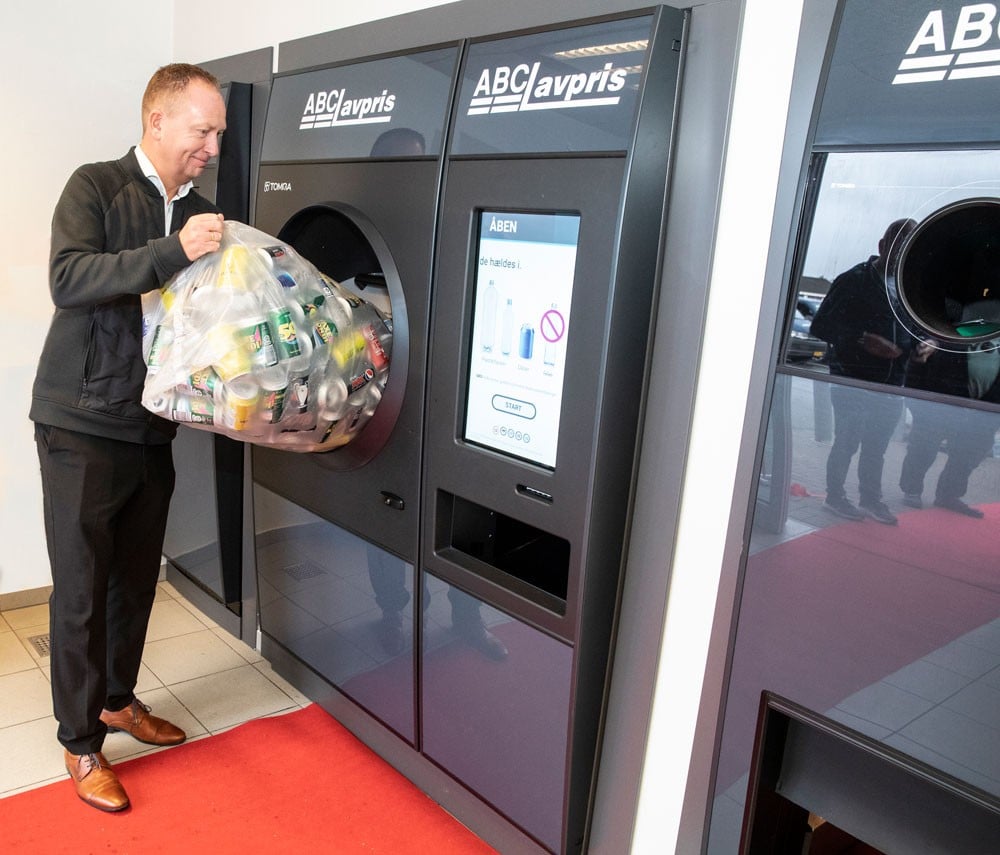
{"points": [[523, 290]]}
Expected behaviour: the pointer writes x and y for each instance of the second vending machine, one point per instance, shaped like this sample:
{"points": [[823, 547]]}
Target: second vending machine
{"points": [[546, 272]]}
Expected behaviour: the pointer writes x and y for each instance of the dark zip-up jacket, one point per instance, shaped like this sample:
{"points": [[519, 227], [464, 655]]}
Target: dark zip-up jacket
{"points": [[108, 248], [856, 304]]}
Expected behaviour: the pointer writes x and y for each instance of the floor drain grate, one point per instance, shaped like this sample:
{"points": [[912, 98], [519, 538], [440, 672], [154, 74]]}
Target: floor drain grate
{"points": [[305, 570], [41, 644]]}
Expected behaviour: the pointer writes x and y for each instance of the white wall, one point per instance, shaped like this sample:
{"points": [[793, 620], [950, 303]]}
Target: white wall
{"points": [[70, 86], [227, 27]]}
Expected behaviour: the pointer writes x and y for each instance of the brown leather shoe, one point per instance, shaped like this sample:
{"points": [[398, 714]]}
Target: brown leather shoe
{"points": [[96, 782], [136, 720]]}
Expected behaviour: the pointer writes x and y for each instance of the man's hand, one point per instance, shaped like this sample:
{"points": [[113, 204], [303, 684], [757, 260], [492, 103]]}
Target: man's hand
{"points": [[200, 235], [876, 345], [921, 352]]}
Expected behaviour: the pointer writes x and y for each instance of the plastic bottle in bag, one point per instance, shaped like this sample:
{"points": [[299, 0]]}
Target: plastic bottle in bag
{"points": [[157, 331], [287, 323], [242, 340], [239, 401], [273, 392]]}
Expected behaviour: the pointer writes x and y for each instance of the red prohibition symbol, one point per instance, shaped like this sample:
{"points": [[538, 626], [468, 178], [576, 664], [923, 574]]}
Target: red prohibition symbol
{"points": [[552, 326]]}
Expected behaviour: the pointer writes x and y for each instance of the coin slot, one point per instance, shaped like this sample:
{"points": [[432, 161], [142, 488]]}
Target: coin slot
{"points": [[534, 493]]}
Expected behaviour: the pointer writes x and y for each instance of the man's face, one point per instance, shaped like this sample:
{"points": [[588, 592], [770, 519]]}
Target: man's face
{"points": [[187, 133]]}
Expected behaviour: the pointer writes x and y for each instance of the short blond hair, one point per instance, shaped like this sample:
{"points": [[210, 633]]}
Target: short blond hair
{"points": [[170, 81]]}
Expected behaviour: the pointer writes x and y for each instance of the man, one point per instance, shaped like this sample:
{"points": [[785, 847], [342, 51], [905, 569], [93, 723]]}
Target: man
{"points": [[967, 434], [120, 229], [867, 344]]}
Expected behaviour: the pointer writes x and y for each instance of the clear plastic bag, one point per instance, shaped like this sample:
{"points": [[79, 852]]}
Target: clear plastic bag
{"points": [[253, 342]]}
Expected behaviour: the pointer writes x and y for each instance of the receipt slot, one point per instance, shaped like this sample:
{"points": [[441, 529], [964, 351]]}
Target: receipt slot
{"points": [[350, 175], [545, 279]]}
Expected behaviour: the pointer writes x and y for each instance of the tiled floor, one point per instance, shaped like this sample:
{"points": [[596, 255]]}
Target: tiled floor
{"points": [[194, 673]]}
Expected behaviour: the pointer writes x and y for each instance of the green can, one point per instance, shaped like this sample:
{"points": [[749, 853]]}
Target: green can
{"points": [[286, 338]]}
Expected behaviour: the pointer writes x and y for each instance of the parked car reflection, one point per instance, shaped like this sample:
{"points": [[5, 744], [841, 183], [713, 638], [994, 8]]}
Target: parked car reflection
{"points": [[803, 346]]}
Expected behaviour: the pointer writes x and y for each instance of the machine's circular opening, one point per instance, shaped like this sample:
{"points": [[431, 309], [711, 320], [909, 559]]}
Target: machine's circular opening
{"points": [[947, 277], [342, 243]]}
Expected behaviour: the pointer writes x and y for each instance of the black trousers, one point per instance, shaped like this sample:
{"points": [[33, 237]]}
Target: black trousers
{"points": [[861, 420], [969, 434], [106, 508]]}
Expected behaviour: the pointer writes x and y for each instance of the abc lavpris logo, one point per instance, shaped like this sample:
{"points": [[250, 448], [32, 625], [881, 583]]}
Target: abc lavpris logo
{"points": [[336, 107], [511, 89], [950, 47]]}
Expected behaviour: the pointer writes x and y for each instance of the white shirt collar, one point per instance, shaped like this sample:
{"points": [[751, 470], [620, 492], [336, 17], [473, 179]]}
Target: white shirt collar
{"points": [[146, 165]]}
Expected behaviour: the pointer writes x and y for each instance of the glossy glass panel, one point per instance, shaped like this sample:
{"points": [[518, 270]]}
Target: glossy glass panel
{"points": [[912, 241], [390, 107], [891, 628], [573, 89], [495, 707], [340, 604], [192, 541]]}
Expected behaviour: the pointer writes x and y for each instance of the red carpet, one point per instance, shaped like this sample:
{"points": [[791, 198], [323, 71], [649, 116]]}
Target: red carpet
{"points": [[825, 615], [504, 733], [295, 783]]}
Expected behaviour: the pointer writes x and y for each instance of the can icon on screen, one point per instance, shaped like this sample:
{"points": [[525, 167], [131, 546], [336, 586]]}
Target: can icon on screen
{"points": [[526, 342]]}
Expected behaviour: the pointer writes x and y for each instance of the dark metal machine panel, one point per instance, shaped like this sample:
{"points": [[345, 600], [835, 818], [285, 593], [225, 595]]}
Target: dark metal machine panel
{"points": [[343, 111], [927, 73], [585, 78], [395, 198], [551, 225]]}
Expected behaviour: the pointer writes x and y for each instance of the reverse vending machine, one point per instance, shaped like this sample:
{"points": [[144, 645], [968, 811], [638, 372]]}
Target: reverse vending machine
{"points": [[547, 261], [447, 583], [350, 175]]}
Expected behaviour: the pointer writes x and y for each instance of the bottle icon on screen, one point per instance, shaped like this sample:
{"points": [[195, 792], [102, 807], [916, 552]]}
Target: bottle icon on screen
{"points": [[490, 317], [526, 342], [507, 334], [549, 352]]}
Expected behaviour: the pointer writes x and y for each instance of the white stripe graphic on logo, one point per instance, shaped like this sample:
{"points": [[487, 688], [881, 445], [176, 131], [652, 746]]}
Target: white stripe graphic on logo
{"points": [[969, 73], [967, 65], [970, 57], [926, 62], [919, 77], [515, 104]]}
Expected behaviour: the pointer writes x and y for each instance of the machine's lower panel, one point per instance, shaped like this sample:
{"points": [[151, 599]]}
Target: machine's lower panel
{"points": [[495, 696], [192, 537], [204, 537], [340, 604]]}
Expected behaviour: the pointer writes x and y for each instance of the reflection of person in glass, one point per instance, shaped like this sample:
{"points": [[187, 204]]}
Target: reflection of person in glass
{"points": [[387, 573], [968, 435], [388, 578], [867, 343], [399, 142]]}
